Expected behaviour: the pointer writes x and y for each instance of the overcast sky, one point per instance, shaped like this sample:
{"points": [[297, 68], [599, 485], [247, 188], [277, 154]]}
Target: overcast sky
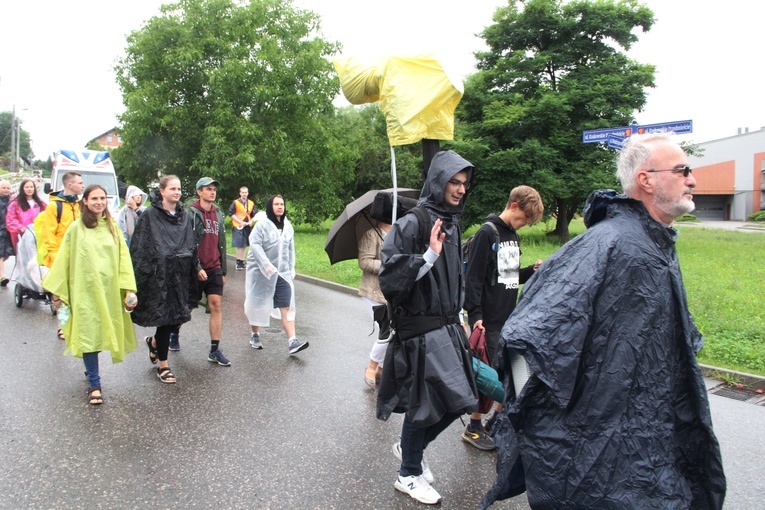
{"points": [[57, 58]]}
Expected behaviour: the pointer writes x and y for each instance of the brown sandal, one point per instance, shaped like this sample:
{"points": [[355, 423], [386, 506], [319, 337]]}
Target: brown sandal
{"points": [[95, 400]]}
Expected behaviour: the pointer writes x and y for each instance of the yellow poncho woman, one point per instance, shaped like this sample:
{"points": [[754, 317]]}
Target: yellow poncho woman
{"points": [[92, 273]]}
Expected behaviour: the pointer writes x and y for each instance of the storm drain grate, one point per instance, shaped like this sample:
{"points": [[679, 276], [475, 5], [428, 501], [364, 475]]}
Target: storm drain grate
{"points": [[733, 393]]}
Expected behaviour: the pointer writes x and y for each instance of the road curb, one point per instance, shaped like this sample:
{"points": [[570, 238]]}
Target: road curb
{"points": [[750, 381]]}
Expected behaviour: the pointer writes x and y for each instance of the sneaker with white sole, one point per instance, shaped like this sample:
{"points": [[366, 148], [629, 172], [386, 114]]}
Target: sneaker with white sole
{"points": [[427, 474], [218, 357], [296, 345], [417, 488], [255, 341]]}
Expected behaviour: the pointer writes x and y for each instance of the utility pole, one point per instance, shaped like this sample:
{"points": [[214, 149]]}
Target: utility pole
{"points": [[13, 140]]}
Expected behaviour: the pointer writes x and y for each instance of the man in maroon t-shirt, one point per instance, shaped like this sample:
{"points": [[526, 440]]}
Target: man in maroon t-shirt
{"points": [[210, 235]]}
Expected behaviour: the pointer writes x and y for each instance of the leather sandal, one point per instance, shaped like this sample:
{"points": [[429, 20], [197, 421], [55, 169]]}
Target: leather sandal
{"points": [[165, 375], [153, 355], [95, 400]]}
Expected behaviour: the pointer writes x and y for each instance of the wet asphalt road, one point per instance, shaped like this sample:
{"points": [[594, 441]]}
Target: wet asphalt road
{"points": [[271, 432]]}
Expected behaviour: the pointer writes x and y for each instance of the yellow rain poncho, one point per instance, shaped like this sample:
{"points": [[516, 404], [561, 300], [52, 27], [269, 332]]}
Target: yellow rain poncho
{"points": [[91, 273]]}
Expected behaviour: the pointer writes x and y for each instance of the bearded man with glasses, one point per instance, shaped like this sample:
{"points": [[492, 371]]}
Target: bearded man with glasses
{"points": [[616, 413]]}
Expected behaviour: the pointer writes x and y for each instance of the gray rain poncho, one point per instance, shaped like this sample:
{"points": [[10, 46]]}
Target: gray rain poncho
{"points": [[272, 254], [427, 374], [616, 414]]}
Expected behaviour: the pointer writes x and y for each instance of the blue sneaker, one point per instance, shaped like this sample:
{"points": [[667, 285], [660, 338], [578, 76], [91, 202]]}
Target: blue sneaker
{"points": [[219, 358], [296, 345], [255, 342], [175, 344]]}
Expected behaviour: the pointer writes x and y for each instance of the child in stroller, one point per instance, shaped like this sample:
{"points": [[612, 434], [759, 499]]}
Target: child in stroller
{"points": [[28, 273]]}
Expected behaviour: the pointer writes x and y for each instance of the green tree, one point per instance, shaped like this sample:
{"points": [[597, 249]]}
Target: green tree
{"points": [[25, 142], [363, 132], [553, 70], [241, 92]]}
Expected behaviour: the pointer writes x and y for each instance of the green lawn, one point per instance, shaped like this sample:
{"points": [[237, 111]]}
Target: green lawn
{"points": [[724, 274]]}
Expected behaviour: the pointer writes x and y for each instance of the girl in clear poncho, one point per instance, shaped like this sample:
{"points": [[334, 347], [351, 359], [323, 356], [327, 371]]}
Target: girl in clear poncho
{"points": [[93, 276], [270, 271]]}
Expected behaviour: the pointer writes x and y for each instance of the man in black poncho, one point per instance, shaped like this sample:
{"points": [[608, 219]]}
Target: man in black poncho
{"points": [[616, 414], [428, 372]]}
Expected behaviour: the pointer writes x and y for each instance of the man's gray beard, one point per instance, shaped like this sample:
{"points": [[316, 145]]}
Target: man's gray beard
{"points": [[675, 208]]}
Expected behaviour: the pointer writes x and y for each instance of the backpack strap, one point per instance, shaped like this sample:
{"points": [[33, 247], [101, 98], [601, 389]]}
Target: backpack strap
{"points": [[423, 224], [59, 210]]}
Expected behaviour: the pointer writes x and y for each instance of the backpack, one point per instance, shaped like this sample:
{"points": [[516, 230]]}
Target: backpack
{"points": [[467, 249]]}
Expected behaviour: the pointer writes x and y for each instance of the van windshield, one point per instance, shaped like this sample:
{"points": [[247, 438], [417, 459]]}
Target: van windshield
{"points": [[105, 179]]}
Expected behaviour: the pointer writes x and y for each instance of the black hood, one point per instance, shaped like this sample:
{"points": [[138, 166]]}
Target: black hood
{"points": [[444, 166]]}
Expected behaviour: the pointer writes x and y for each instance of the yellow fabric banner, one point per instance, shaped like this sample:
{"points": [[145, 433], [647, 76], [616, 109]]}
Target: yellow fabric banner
{"points": [[416, 95]]}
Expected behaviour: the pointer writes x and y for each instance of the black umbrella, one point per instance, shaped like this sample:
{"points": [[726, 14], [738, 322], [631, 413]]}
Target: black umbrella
{"points": [[353, 222]]}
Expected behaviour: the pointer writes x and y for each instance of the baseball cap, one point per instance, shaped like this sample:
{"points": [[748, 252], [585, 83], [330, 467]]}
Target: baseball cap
{"points": [[206, 181]]}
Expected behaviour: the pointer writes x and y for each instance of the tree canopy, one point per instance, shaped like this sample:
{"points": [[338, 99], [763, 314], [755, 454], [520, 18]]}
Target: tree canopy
{"points": [[25, 148], [241, 92], [553, 70]]}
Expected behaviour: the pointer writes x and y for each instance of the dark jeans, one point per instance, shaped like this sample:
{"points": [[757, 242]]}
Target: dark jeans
{"points": [[414, 440], [91, 369]]}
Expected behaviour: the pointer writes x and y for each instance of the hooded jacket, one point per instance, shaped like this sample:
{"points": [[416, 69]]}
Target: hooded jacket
{"points": [[129, 217], [616, 414], [164, 262], [53, 227], [196, 216], [427, 375]]}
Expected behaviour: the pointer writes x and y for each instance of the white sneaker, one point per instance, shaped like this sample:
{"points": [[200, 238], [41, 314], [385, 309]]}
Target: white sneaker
{"points": [[427, 474], [418, 489], [255, 342]]}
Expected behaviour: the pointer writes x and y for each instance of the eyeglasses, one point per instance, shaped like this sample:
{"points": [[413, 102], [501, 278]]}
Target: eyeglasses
{"points": [[457, 184], [685, 170]]}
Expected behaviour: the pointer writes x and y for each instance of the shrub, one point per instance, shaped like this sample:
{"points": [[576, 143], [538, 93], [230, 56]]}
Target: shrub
{"points": [[687, 217], [758, 216]]}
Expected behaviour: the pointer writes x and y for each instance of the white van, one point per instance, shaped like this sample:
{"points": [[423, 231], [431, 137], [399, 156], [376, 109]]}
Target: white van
{"points": [[95, 167]]}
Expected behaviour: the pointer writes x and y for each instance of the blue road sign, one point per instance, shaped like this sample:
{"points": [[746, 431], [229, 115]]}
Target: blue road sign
{"points": [[615, 141], [603, 135], [679, 127]]}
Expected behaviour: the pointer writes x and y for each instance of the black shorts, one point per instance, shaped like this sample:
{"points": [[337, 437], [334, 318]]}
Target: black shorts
{"points": [[282, 293], [213, 286]]}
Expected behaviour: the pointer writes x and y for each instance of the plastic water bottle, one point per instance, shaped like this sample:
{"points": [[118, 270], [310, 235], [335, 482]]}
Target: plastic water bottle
{"points": [[131, 301], [63, 314]]}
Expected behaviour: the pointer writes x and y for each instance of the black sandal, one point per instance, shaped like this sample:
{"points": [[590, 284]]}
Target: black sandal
{"points": [[95, 400], [60, 334], [153, 355], [164, 374]]}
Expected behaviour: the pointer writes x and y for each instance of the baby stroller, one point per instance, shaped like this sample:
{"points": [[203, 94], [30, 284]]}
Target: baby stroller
{"points": [[28, 274]]}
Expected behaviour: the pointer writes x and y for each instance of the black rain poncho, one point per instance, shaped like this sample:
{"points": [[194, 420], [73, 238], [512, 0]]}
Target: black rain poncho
{"points": [[164, 262], [616, 415], [430, 374]]}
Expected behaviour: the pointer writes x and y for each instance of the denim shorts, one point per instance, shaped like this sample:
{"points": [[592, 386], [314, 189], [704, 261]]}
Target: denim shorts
{"points": [[282, 293]]}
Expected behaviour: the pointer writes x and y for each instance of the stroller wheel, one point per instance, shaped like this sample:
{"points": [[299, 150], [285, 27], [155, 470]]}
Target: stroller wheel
{"points": [[18, 295]]}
